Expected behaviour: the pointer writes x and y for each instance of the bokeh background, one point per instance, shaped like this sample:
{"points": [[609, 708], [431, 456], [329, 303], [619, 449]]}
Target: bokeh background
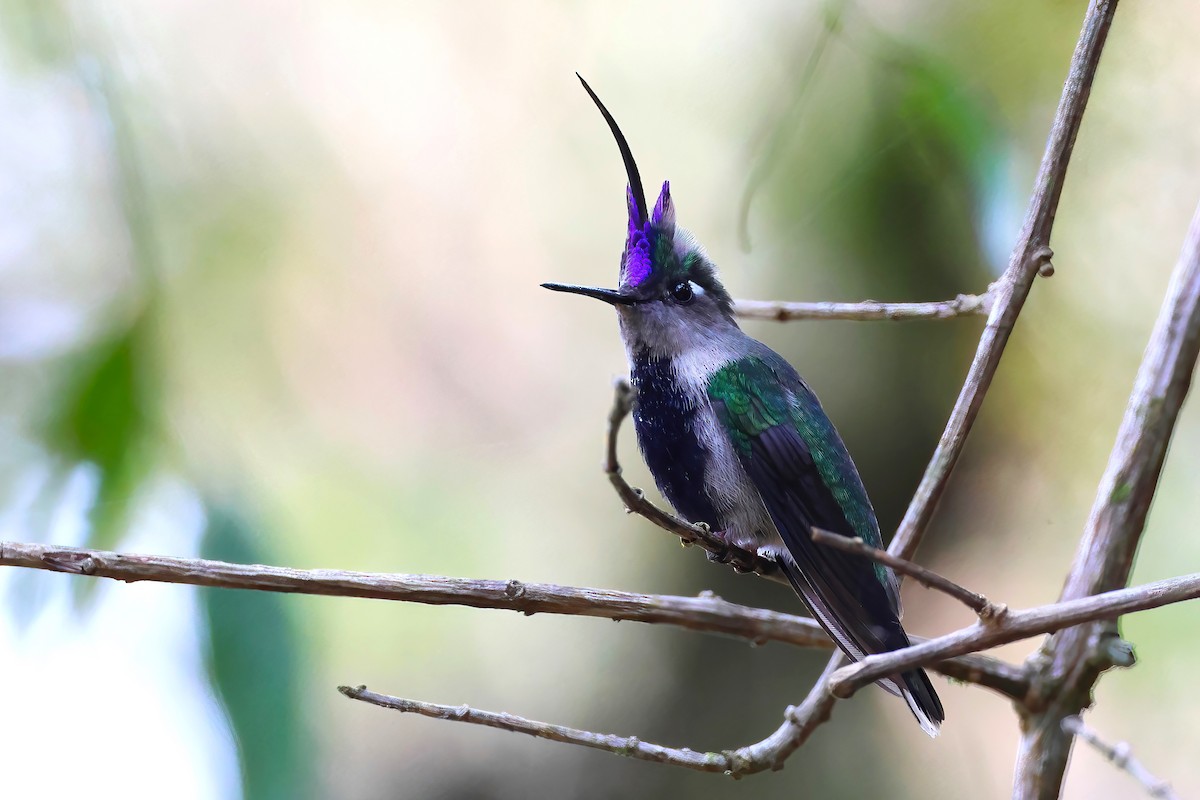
{"points": [[269, 292]]}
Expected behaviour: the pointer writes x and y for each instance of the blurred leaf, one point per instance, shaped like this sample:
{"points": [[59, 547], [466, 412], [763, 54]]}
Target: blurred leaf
{"points": [[105, 415], [36, 32], [776, 133], [255, 663], [949, 120], [27, 591]]}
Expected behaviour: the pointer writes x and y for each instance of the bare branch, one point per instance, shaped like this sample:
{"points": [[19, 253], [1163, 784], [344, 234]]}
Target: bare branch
{"points": [[1121, 756], [799, 722], [768, 754], [622, 745], [855, 546], [962, 306], [1016, 625], [1029, 257], [706, 613], [1070, 664], [989, 672], [1118, 517], [636, 502]]}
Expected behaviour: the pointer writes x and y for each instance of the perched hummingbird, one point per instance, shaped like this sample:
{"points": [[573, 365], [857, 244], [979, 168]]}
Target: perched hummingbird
{"points": [[736, 439]]}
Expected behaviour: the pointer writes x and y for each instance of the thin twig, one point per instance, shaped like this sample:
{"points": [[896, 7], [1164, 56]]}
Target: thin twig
{"points": [[636, 503], [621, 745], [765, 162], [1069, 665], [855, 546], [799, 722], [1121, 756], [1014, 626], [962, 306], [706, 613], [768, 754]]}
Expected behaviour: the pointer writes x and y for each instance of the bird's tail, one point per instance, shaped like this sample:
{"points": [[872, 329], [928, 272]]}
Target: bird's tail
{"points": [[850, 630], [918, 692]]}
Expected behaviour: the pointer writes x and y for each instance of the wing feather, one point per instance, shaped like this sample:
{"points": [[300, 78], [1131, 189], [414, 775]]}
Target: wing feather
{"points": [[805, 477]]}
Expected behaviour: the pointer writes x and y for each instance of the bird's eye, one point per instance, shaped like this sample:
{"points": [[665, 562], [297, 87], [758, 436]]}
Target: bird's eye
{"points": [[682, 293]]}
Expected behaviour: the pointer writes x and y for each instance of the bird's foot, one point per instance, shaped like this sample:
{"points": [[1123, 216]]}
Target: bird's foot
{"points": [[733, 551]]}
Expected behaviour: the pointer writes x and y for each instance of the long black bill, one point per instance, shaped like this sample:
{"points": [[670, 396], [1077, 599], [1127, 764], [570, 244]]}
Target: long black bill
{"points": [[631, 170], [611, 296]]}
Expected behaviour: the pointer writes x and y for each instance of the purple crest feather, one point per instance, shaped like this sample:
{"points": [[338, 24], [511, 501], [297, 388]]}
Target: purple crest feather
{"points": [[663, 210], [639, 262]]}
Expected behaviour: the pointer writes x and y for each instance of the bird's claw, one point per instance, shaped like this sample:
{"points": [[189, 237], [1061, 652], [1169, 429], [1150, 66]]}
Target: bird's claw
{"points": [[722, 556]]}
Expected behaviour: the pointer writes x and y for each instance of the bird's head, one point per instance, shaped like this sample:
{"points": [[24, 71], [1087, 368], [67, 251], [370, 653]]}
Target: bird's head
{"points": [[669, 297]]}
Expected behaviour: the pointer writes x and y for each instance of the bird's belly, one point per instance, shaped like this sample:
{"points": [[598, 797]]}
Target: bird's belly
{"points": [[740, 509]]}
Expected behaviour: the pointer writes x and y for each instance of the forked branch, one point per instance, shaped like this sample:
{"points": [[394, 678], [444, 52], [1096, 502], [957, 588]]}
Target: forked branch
{"points": [[1030, 257], [1070, 664], [1121, 756], [1014, 626]]}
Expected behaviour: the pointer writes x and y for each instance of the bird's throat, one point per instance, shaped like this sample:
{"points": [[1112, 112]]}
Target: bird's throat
{"points": [[666, 420]]}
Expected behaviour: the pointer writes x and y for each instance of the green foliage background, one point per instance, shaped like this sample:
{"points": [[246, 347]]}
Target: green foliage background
{"points": [[297, 250]]}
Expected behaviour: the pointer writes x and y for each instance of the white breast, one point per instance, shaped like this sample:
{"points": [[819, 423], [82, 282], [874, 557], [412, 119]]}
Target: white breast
{"points": [[744, 518]]}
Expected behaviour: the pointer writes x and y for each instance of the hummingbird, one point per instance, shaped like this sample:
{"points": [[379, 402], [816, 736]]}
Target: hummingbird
{"points": [[735, 438]]}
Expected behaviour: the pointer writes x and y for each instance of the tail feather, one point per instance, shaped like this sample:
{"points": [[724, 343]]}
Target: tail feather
{"points": [[858, 638], [923, 701]]}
